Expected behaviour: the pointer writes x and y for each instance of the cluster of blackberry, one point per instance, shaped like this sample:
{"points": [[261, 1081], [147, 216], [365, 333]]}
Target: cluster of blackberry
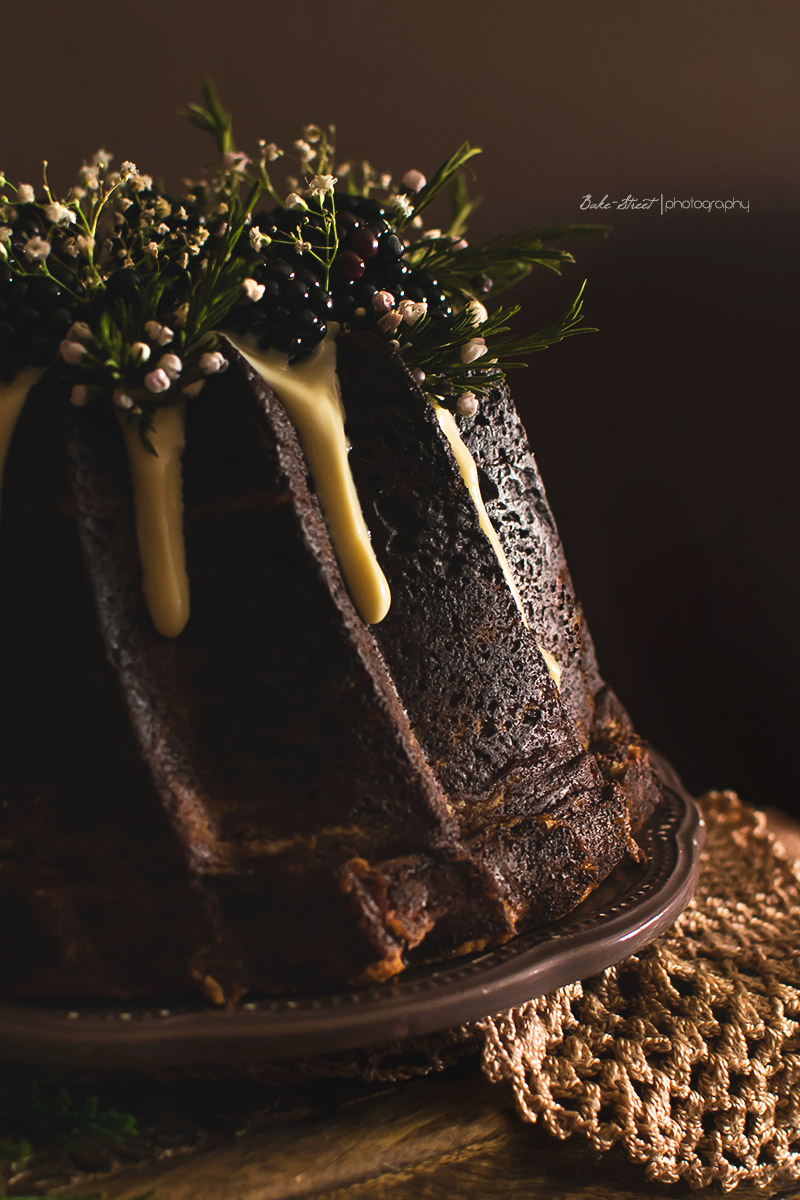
{"points": [[35, 311], [292, 314]]}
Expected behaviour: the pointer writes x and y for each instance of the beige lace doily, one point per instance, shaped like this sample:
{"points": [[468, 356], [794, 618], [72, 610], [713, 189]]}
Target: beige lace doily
{"points": [[686, 1055]]}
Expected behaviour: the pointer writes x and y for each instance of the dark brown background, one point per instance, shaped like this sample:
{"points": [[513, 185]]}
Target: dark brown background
{"points": [[668, 442]]}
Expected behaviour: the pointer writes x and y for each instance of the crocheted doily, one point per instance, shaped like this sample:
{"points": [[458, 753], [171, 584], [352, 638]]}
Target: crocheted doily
{"points": [[686, 1055]]}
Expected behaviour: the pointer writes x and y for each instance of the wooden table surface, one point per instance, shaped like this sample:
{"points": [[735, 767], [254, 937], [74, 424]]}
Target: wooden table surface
{"points": [[447, 1136]]}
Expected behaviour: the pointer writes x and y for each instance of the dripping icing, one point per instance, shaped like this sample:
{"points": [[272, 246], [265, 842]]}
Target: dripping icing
{"points": [[469, 473], [12, 400], [158, 504], [309, 391]]}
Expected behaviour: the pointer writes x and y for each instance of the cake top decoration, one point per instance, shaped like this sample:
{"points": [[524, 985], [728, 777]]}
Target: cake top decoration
{"points": [[129, 289]]}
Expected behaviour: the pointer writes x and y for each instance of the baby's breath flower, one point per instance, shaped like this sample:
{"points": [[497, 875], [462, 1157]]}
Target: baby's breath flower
{"points": [[162, 230], [414, 180], [467, 404], [212, 362], [85, 243], [412, 310], [160, 334], [141, 183], [474, 349], [401, 204], [300, 246], [252, 290], [71, 352], [101, 158], [79, 331], [258, 239], [236, 160], [157, 381], [171, 365], [293, 200], [385, 181], [88, 177], [321, 184], [312, 133], [127, 169], [382, 302], [270, 151], [390, 321], [153, 248], [36, 249], [304, 151], [477, 312], [26, 194]]}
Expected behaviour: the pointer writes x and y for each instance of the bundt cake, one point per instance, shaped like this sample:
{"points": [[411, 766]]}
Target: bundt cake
{"points": [[296, 690]]}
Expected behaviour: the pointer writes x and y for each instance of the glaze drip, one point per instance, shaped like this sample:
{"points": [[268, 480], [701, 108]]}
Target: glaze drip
{"points": [[309, 391], [158, 501], [469, 473]]}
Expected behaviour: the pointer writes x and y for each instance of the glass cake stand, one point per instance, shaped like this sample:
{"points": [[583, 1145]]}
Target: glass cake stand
{"points": [[631, 908]]}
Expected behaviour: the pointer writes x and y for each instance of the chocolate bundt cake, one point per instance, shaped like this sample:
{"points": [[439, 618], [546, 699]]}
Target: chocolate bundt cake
{"points": [[296, 691]]}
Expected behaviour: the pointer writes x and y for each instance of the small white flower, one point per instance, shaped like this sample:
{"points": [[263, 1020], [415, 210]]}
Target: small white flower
{"points": [[477, 312], [59, 214], [71, 352], [257, 239], [401, 204], [382, 302], [153, 248], [300, 246], [141, 183], [390, 321], [252, 290], [127, 169], [122, 399], [270, 151], [85, 243], [162, 229], [161, 334], [321, 185], [412, 310], [385, 181], [414, 180], [473, 349], [171, 364], [235, 160], [304, 151], [467, 404], [88, 177], [79, 395], [101, 158], [140, 352], [193, 389], [157, 381], [36, 249], [79, 331], [212, 362], [312, 133], [293, 200], [26, 194]]}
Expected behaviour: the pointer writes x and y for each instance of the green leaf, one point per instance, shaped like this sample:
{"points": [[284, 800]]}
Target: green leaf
{"points": [[213, 119], [443, 176]]}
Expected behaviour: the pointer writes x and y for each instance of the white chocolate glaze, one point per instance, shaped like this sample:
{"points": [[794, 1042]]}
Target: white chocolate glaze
{"points": [[469, 473], [12, 399], [309, 391], [158, 500]]}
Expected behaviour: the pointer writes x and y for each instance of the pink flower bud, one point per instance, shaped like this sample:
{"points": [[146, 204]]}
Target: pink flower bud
{"points": [[157, 381], [171, 364], [71, 352], [212, 362], [383, 301], [414, 180]]}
